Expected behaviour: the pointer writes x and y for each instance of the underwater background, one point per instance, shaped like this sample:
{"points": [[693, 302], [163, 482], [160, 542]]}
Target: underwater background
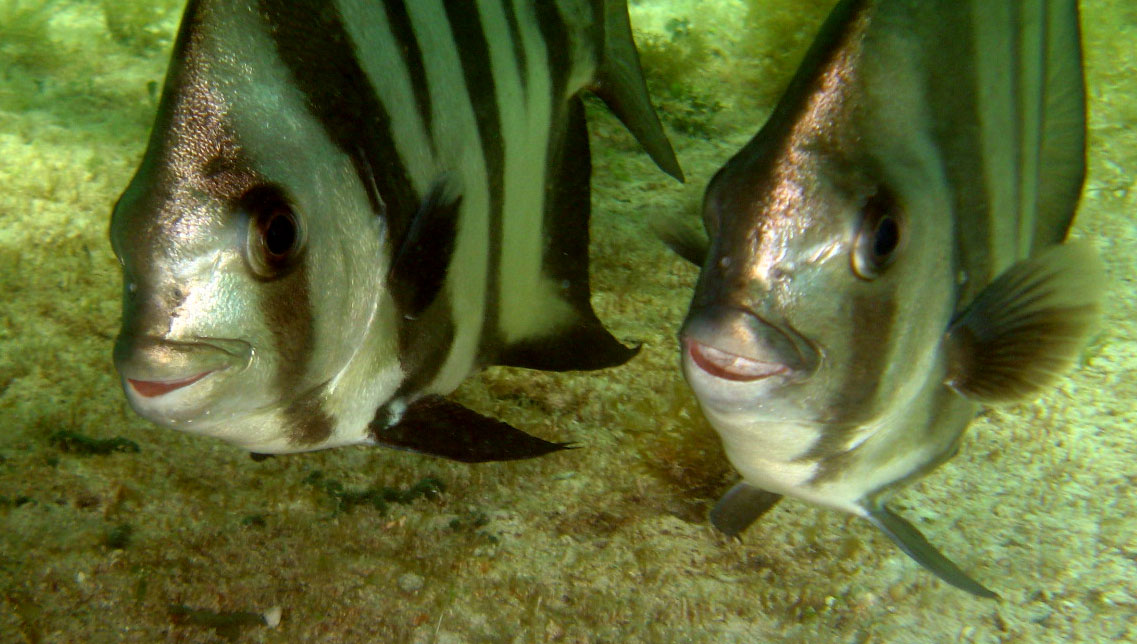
{"points": [[112, 530]]}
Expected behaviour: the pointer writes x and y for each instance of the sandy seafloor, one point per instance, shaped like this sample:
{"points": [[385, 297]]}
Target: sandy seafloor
{"points": [[608, 543]]}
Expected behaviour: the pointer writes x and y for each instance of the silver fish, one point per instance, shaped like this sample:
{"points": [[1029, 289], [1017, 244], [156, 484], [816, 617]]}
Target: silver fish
{"points": [[348, 206], [886, 254]]}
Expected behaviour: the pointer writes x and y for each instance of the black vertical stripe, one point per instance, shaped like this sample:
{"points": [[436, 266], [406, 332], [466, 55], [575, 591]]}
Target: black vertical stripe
{"points": [[557, 50], [313, 44], [404, 35], [858, 399], [518, 43], [953, 85], [477, 68]]}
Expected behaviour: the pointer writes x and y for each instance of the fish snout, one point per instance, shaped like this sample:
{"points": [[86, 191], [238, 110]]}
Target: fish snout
{"points": [[736, 344]]}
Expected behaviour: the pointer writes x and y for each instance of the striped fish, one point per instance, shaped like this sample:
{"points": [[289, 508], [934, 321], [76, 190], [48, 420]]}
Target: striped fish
{"points": [[348, 206], [886, 254]]}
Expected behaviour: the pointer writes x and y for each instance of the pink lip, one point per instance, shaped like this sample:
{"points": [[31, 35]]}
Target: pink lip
{"points": [[729, 366], [153, 389]]}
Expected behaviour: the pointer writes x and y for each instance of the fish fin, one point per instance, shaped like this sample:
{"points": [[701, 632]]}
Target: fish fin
{"points": [[620, 83], [579, 341], [915, 545], [683, 240], [742, 505], [436, 426], [1026, 327], [419, 265], [1052, 89]]}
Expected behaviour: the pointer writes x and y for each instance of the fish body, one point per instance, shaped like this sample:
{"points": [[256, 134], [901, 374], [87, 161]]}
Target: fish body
{"points": [[886, 254], [348, 206]]}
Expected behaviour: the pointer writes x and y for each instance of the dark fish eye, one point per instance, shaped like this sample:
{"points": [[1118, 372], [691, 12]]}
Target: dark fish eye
{"points": [[280, 233], [878, 237], [275, 237]]}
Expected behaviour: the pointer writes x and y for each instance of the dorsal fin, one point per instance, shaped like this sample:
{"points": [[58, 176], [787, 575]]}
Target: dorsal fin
{"points": [[1053, 91], [620, 82]]}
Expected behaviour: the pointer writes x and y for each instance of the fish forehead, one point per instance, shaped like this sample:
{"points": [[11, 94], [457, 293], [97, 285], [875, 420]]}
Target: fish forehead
{"points": [[784, 200]]}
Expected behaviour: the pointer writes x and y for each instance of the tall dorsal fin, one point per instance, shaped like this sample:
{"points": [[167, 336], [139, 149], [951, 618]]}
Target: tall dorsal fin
{"points": [[1053, 92], [620, 82]]}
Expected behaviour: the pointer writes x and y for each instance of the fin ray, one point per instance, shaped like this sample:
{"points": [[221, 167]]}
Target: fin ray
{"points": [[1027, 326], [420, 264]]}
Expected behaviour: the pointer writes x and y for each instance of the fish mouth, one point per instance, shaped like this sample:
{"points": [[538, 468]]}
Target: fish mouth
{"points": [[731, 366], [155, 388], [153, 367], [734, 344]]}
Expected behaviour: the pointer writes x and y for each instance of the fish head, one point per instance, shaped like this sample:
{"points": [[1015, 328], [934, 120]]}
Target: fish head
{"points": [[250, 253], [828, 282]]}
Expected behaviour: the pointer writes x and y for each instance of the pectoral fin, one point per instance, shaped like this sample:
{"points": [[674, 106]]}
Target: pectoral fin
{"points": [[742, 505], [419, 266], [436, 426], [908, 538], [683, 240], [1027, 326]]}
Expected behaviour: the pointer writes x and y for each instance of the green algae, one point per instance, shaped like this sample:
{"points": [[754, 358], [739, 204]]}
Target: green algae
{"points": [[378, 497], [76, 443]]}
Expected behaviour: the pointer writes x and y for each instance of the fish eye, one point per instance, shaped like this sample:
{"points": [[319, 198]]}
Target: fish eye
{"points": [[274, 236], [878, 237]]}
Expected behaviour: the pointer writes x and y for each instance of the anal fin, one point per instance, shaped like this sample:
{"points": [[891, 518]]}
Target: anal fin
{"points": [[741, 506], [915, 545], [436, 426]]}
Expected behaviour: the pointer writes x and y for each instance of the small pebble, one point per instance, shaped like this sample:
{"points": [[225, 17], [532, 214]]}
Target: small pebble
{"points": [[410, 582], [272, 616]]}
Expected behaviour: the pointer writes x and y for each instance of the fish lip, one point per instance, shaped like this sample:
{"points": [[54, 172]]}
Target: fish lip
{"points": [[156, 388], [734, 343], [152, 367], [731, 366]]}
